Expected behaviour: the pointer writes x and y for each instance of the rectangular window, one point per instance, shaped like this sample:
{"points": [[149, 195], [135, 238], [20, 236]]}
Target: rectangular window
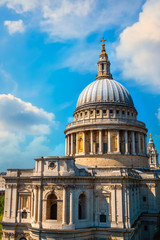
{"points": [[144, 199], [97, 111], [104, 111], [102, 218], [104, 147]]}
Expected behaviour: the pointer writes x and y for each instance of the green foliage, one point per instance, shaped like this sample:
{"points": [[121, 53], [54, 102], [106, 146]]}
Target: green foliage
{"points": [[1, 205], [1, 212], [112, 238]]}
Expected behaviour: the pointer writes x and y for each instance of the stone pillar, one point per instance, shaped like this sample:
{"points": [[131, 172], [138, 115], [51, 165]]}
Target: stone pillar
{"points": [[66, 145], [19, 208], [118, 142], [91, 142], [126, 142], [71, 144], [143, 146], [71, 221], [133, 143], [139, 144], [39, 204], [32, 204], [64, 206], [100, 141], [84, 143], [109, 141], [76, 143], [35, 203]]}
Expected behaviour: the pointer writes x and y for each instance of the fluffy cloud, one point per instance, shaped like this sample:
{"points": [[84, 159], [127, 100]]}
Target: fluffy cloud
{"points": [[139, 48], [68, 19], [15, 26], [77, 19], [22, 133], [17, 152], [20, 6], [19, 116]]}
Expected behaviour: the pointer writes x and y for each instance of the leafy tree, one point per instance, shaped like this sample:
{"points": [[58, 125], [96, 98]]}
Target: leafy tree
{"points": [[1, 212]]}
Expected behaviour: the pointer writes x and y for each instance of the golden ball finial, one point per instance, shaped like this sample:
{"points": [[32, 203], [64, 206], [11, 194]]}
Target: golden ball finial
{"points": [[150, 135]]}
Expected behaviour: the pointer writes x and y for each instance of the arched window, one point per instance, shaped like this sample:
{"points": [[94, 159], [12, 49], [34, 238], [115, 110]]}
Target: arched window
{"points": [[52, 207], [23, 238], [82, 206]]}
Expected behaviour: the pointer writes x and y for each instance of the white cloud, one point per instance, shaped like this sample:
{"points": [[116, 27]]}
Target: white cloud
{"points": [[68, 19], [139, 48], [20, 6], [22, 129], [15, 26], [19, 116], [16, 152]]}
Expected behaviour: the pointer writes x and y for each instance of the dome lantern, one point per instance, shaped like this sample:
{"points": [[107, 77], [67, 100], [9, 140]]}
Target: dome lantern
{"points": [[103, 63]]}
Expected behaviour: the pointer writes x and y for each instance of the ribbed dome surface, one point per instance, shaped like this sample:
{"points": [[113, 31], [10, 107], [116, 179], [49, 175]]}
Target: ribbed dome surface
{"points": [[105, 91]]}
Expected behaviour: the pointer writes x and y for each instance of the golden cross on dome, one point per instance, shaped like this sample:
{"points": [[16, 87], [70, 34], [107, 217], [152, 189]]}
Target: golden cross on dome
{"points": [[103, 40], [103, 44]]}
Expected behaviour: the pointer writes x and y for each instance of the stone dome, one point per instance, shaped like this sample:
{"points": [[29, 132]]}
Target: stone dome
{"points": [[105, 91]]}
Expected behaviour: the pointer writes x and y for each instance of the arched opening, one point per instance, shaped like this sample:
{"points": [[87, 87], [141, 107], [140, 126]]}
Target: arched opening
{"points": [[82, 206], [23, 238], [24, 214], [52, 207]]}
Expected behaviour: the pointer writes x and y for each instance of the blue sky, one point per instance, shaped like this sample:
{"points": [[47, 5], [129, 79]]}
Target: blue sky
{"points": [[48, 54]]}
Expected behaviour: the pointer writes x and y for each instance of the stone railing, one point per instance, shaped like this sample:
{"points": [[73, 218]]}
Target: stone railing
{"points": [[105, 121]]}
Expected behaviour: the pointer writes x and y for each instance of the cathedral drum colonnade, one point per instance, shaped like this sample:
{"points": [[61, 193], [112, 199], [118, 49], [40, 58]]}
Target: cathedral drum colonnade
{"points": [[106, 186]]}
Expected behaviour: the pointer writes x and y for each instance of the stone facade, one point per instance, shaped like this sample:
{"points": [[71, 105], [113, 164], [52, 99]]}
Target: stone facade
{"points": [[105, 187]]}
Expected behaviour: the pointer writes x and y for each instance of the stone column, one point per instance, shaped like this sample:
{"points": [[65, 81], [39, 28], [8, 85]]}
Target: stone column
{"points": [[66, 145], [72, 144], [118, 142], [84, 143], [126, 142], [64, 206], [35, 203], [100, 141], [91, 142], [76, 143], [143, 145], [133, 143], [71, 207], [32, 204], [139, 144], [109, 141], [39, 204], [19, 208]]}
